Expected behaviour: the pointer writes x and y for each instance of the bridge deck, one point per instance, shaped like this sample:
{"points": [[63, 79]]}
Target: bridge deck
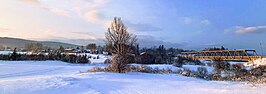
{"points": [[238, 55], [226, 58]]}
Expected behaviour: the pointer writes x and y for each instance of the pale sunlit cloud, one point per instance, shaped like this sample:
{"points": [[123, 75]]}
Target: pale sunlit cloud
{"points": [[32, 2], [240, 30], [49, 34], [60, 11], [93, 17], [247, 30]]}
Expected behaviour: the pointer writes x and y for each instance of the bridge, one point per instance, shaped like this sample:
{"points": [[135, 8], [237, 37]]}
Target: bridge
{"points": [[225, 55]]}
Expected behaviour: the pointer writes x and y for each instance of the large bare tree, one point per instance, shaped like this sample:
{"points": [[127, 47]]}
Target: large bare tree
{"points": [[120, 43]]}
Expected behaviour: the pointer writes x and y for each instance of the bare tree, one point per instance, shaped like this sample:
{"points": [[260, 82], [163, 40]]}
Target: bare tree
{"points": [[120, 43], [92, 47], [34, 47]]}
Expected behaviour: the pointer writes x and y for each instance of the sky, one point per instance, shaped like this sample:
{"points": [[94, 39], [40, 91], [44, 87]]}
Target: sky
{"points": [[187, 24]]}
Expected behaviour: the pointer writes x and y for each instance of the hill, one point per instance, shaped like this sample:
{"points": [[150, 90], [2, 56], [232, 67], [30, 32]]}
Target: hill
{"points": [[20, 43]]}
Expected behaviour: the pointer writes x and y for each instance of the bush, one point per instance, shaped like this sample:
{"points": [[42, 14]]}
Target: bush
{"points": [[83, 59], [119, 63], [259, 71], [202, 72], [221, 65], [186, 72], [107, 61], [178, 62], [208, 64], [166, 71], [146, 69], [96, 69], [108, 68]]}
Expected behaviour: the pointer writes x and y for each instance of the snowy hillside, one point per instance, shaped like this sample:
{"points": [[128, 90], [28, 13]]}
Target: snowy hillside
{"points": [[56, 77]]}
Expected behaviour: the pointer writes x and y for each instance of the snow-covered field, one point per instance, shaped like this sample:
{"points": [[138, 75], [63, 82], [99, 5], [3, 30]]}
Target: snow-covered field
{"points": [[56, 77]]}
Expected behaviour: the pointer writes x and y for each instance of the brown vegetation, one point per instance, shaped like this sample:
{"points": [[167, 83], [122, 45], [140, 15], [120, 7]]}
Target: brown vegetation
{"points": [[120, 43]]}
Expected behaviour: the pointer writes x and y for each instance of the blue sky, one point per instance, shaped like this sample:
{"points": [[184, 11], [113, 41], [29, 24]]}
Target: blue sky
{"points": [[188, 24]]}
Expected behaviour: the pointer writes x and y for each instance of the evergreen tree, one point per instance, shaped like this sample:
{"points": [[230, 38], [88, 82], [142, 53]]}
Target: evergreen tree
{"points": [[14, 55]]}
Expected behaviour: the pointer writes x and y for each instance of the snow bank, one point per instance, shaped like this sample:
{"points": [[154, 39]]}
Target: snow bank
{"points": [[5, 52], [174, 68], [256, 63], [100, 60], [195, 67]]}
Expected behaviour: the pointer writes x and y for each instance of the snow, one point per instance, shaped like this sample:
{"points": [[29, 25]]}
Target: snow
{"points": [[173, 68], [5, 52], [100, 60], [233, 62], [195, 67], [256, 63], [56, 77], [160, 66]]}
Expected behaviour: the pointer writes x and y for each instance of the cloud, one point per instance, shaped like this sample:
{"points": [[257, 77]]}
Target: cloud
{"points": [[195, 21], [40, 5], [205, 22], [150, 41], [3, 29], [79, 41], [246, 30], [86, 33], [60, 11], [32, 2], [74, 35], [88, 10], [94, 17], [142, 27], [50, 34]]}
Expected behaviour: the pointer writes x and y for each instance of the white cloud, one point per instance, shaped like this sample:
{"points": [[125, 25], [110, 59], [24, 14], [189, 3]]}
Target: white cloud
{"points": [[93, 17], [246, 30], [88, 10], [60, 11], [205, 22], [195, 21]]}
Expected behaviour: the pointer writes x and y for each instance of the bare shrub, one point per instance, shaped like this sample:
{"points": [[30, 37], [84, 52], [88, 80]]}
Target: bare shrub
{"points": [[240, 73], [186, 72], [208, 64], [166, 71], [193, 74], [119, 63], [156, 70], [133, 68], [107, 61], [258, 71], [178, 62], [219, 67], [202, 72], [146, 69], [178, 71], [96, 69], [108, 68]]}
